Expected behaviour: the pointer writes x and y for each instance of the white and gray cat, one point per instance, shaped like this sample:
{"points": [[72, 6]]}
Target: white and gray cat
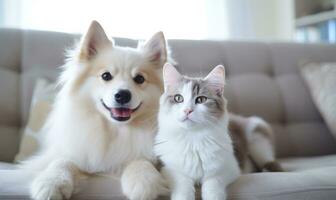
{"points": [[194, 142]]}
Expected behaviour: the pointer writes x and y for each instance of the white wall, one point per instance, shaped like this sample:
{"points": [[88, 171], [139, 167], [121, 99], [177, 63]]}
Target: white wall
{"points": [[261, 19]]}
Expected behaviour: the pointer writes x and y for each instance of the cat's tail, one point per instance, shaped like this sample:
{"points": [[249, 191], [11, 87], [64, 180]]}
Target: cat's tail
{"points": [[261, 144]]}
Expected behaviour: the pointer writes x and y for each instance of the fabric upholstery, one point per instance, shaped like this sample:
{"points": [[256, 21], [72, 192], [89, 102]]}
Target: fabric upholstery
{"points": [[9, 101], [307, 163], [252, 100], [9, 142], [308, 133], [263, 79], [5, 166], [321, 79], [10, 51], [41, 105], [309, 184], [298, 106]]}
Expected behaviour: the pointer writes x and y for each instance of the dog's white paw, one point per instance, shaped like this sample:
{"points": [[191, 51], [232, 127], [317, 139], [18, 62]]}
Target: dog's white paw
{"points": [[52, 186], [141, 181]]}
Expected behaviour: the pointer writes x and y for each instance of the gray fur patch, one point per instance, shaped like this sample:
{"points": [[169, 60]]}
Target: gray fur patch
{"points": [[215, 103]]}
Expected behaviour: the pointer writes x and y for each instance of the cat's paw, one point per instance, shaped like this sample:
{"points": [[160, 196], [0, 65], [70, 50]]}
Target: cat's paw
{"points": [[213, 189], [182, 196], [214, 196], [52, 186], [141, 181]]}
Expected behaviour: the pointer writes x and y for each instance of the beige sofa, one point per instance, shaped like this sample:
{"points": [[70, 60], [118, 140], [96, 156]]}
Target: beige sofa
{"points": [[263, 79]]}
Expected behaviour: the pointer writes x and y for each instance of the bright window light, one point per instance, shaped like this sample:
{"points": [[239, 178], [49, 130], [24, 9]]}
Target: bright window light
{"points": [[124, 18]]}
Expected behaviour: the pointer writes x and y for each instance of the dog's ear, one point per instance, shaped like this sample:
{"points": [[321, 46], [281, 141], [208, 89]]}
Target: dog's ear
{"points": [[94, 40], [155, 48]]}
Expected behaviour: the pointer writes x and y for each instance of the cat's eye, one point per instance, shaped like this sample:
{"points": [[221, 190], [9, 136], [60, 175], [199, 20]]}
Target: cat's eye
{"points": [[106, 76], [200, 99], [139, 79], [178, 98]]}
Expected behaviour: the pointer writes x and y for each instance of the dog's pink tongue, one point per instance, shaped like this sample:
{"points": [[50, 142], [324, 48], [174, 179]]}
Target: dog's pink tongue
{"points": [[121, 112]]}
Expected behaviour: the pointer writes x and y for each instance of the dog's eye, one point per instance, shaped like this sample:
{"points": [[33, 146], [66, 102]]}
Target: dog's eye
{"points": [[178, 98], [106, 76], [139, 79], [200, 99]]}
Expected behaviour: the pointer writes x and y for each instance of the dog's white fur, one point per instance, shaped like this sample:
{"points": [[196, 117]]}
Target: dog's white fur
{"points": [[81, 136]]}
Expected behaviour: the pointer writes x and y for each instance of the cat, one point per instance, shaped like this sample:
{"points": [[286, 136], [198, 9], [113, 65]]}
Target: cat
{"points": [[193, 139]]}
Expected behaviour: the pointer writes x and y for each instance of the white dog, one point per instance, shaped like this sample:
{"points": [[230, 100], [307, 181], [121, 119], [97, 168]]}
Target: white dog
{"points": [[104, 118]]}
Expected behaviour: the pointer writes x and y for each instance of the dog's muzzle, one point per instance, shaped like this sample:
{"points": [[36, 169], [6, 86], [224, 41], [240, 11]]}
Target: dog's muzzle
{"points": [[121, 113]]}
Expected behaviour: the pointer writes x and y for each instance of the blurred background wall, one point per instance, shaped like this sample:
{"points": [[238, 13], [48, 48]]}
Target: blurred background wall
{"points": [[299, 20]]}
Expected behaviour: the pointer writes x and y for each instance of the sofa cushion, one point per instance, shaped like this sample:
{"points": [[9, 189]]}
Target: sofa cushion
{"points": [[8, 143], [301, 185], [5, 165], [307, 184], [9, 101], [187, 54], [321, 79], [311, 136], [297, 105], [41, 105], [306, 163], [263, 79], [28, 82], [262, 98], [247, 58], [10, 51]]}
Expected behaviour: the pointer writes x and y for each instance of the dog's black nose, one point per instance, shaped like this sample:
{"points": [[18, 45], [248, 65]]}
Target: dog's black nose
{"points": [[123, 96]]}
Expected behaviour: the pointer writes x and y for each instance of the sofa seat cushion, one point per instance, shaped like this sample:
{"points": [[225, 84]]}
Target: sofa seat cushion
{"points": [[304, 163], [14, 184], [4, 165], [316, 183], [308, 184]]}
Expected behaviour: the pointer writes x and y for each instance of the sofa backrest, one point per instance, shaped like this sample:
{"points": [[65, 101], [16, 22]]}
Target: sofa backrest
{"points": [[10, 70], [262, 79]]}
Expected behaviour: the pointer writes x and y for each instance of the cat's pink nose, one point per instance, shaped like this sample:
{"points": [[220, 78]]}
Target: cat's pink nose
{"points": [[188, 111]]}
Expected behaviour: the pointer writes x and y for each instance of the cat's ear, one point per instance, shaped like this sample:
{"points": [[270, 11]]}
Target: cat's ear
{"points": [[94, 39], [155, 48], [216, 79], [171, 76]]}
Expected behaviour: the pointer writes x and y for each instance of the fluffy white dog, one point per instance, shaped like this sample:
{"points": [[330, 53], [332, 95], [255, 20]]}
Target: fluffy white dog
{"points": [[104, 118]]}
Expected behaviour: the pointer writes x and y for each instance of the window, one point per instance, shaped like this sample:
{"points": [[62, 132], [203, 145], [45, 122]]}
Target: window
{"points": [[125, 18]]}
